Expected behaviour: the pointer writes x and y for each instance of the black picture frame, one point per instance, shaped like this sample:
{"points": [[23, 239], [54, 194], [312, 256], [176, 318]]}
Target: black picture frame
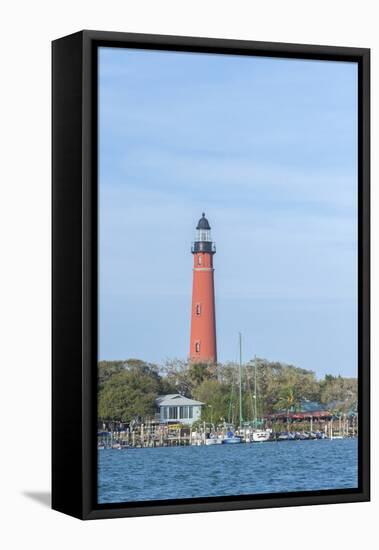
{"points": [[74, 272]]}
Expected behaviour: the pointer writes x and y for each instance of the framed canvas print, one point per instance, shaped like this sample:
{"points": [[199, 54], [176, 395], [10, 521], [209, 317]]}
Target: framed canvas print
{"points": [[190, 376]]}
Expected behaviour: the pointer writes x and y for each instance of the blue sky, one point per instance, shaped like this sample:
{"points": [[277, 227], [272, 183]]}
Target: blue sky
{"points": [[268, 149]]}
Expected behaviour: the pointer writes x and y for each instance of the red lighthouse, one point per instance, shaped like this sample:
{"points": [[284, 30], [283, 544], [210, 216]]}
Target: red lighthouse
{"points": [[203, 317]]}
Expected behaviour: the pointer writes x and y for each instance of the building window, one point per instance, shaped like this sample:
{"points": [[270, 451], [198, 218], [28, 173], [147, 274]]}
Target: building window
{"points": [[190, 412], [184, 411], [199, 260], [172, 413], [198, 309], [197, 347]]}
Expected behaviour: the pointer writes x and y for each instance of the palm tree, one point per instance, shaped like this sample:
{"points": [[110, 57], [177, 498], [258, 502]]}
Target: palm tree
{"points": [[288, 401]]}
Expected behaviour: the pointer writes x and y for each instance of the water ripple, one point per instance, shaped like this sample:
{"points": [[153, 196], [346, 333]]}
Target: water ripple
{"points": [[220, 470]]}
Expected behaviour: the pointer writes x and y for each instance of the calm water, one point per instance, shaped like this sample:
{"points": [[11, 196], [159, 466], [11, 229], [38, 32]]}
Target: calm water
{"points": [[217, 470]]}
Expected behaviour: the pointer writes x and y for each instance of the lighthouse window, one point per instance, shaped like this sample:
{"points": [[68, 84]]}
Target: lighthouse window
{"points": [[197, 347], [198, 309], [199, 260], [203, 235]]}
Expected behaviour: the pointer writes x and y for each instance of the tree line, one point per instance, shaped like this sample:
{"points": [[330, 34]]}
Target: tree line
{"points": [[127, 389]]}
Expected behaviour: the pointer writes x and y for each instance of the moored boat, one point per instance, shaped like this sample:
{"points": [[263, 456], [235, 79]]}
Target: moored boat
{"points": [[213, 440], [231, 439], [260, 435], [285, 436], [301, 436]]}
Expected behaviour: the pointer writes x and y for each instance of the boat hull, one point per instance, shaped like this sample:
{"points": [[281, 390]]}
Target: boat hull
{"points": [[231, 440], [260, 436]]}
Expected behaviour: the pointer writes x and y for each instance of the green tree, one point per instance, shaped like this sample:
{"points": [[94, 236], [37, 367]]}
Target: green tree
{"points": [[339, 393], [106, 369], [176, 373], [129, 394], [127, 389], [198, 372], [215, 396], [268, 374]]}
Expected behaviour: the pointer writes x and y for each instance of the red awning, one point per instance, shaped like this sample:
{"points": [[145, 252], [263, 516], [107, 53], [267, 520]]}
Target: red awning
{"points": [[301, 415]]}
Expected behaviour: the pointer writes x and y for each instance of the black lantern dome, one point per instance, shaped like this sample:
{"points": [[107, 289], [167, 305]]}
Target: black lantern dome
{"points": [[203, 223]]}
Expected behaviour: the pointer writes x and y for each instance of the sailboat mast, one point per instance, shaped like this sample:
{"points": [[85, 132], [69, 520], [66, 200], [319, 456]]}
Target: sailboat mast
{"points": [[240, 377], [255, 391]]}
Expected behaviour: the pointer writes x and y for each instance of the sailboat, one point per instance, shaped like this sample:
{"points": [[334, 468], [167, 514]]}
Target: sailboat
{"points": [[230, 438], [254, 435], [258, 435]]}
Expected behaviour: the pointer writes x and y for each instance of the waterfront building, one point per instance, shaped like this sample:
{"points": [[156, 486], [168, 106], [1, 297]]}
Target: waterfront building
{"points": [[203, 347], [176, 408]]}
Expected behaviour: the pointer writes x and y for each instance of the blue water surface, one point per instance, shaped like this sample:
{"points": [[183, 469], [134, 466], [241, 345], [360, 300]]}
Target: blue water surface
{"points": [[220, 470]]}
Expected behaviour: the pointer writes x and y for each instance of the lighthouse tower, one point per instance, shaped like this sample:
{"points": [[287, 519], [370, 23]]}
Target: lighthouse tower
{"points": [[203, 317]]}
